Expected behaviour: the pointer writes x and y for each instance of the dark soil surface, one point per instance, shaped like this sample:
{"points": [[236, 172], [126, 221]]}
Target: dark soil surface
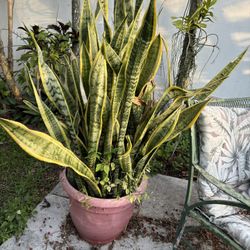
{"points": [[163, 230], [159, 230]]}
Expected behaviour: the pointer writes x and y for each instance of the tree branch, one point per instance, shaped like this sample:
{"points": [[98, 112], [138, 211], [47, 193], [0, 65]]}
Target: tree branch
{"points": [[75, 20], [187, 58], [10, 37], [8, 74]]}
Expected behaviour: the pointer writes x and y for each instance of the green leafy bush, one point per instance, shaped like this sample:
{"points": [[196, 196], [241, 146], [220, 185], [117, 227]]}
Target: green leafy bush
{"points": [[56, 41]]}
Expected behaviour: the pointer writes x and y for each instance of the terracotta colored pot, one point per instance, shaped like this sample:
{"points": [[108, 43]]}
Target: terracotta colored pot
{"points": [[99, 221]]}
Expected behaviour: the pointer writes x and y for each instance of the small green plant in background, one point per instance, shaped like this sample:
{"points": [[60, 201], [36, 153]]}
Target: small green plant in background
{"points": [[56, 40], [199, 19]]}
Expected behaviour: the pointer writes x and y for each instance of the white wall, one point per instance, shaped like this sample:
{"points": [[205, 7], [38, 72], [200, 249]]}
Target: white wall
{"points": [[30, 12]]}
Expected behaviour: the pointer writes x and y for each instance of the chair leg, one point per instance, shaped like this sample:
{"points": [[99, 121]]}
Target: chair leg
{"points": [[180, 229]]}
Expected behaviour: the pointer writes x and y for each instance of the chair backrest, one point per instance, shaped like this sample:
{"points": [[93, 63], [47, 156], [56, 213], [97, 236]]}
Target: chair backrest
{"points": [[222, 148]]}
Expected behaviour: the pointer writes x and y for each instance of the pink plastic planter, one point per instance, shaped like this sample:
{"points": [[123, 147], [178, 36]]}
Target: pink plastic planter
{"points": [[99, 221]]}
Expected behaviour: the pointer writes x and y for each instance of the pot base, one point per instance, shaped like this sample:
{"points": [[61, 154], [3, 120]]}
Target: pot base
{"points": [[95, 242], [99, 221]]}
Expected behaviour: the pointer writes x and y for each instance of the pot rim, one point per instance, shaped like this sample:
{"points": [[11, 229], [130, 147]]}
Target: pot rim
{"points": [[99, 202]]}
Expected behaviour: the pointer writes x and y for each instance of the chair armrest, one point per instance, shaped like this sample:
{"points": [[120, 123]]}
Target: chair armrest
{"points": [[218, 202], [224, 187]]}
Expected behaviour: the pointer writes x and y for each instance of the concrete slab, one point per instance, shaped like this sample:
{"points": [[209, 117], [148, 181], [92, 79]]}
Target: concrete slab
{"points": [[58, 190], [51, 226], [49, 215], [166, 197]]}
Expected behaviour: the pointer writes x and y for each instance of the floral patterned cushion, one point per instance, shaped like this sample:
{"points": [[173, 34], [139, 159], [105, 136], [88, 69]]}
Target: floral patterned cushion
{"points": [[238, 227], [225, 154]]}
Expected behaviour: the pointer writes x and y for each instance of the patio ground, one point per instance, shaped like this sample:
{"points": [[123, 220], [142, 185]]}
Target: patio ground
{"points": [[152, 226]]}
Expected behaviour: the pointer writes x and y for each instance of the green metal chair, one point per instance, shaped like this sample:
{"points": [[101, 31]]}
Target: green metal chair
{"points": [[220, 154]]}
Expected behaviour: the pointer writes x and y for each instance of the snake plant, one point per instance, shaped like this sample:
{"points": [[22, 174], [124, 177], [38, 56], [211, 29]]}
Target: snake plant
{"points": [[103, 123]]}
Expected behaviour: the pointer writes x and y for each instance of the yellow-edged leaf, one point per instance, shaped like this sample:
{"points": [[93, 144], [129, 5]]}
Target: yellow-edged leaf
{"points": [[44, 148], [51, 122]]}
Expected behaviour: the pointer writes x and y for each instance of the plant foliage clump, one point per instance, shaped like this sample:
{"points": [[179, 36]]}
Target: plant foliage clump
{"points": [[104, 125]]}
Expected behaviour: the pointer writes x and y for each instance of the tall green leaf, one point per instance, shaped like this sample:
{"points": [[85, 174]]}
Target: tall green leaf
{"points": [[119, 89], [138, 4], [134, 65], [105, 11], [109, 122], [85, 65], [93, 42], [178, 102], [119, 12], [107, 30], [117, 40], [51, 122], [160, 135], [97, 99], [54, 91], [51, 84], [142, 165], [148, 119], [105, 8], [219, 78], [152, 63], [129, 11], [131, 35], [188, 117], [125, 159], [85, 20], [112, 58], [97, 10], [74, 81], [162, 132], [169, 67]]}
